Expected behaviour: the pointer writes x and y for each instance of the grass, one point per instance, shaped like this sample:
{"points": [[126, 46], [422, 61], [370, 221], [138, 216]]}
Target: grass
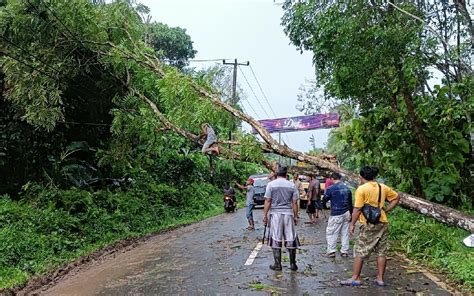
{"points": [[267, 288], [39, 235], [433, 244]]}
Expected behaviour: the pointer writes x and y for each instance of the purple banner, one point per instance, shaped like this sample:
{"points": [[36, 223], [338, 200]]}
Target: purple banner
{"points": [[300, 123]]}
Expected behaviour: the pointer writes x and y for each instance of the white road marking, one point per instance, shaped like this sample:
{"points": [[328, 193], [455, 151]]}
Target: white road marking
{"points": [[254, 254]]}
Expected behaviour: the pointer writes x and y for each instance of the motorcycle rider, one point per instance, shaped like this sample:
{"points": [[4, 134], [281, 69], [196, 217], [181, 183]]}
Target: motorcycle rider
{"points": [[230, 192]]}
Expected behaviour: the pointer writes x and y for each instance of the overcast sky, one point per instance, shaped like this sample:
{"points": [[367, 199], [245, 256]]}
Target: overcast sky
{"points": [[248, 30]]}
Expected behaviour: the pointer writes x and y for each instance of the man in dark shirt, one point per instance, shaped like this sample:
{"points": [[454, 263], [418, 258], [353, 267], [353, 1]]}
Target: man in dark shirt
{"points": [[230, 192], [313, 196], [341, 210]]}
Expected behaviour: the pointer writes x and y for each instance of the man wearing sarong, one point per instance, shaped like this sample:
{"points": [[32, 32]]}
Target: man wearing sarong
{"points": [[281, 214]]}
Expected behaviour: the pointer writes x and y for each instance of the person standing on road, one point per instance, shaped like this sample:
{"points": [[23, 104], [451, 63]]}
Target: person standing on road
{"points": [[341, 210], [328, 182], [281, 202], [313, 194], [299, 187], [271, 176], [373, 238], [249, 202]]}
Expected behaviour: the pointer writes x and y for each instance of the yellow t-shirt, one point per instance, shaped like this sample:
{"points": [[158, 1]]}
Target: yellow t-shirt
{"points": [[368, 193]]}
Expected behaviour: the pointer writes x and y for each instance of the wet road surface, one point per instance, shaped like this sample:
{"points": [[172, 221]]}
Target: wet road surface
{"points": [[208, 258]]}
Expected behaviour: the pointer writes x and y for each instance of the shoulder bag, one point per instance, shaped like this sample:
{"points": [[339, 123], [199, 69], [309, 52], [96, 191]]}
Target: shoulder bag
{"points": [[372, 214]]}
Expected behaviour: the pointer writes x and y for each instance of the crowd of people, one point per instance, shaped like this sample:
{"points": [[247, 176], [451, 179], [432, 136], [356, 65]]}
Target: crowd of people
{"points": [[282, 203], [282, 198]]}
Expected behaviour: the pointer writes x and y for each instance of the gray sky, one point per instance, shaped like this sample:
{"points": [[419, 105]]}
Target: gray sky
{"points": [[248, 30]]}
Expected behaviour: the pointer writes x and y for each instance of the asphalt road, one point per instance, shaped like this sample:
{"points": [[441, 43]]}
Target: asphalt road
{"points": [[208, 258]]}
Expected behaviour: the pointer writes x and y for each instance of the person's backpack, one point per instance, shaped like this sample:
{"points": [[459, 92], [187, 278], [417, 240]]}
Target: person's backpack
{"points": [[372, 214]]}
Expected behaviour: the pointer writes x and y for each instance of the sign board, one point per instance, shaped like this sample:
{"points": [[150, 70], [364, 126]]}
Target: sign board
{"points": [[300, 123]]}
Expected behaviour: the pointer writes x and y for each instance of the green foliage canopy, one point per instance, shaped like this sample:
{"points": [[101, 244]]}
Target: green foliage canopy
{"points": [[412, 113]]}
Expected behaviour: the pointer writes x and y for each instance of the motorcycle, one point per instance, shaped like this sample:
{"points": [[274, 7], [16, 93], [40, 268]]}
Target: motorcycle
{"points": [[229, 204]]}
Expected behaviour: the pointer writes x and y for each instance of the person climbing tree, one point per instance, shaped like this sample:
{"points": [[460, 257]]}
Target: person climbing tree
{"points": [[210, 145]]}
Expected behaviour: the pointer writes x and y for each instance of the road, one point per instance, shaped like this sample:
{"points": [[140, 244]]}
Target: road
{"points": [[208, 258]]}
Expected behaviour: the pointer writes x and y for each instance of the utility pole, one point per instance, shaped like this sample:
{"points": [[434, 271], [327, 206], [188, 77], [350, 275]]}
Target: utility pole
{"points": [[233, 102], [279, 142]]}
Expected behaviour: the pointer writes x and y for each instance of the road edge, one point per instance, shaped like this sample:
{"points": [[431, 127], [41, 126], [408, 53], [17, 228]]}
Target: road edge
{"points": [[51, 278]]}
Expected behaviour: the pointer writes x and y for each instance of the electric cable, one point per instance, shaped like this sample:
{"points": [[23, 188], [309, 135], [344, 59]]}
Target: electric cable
{"points": [[255, 95]]}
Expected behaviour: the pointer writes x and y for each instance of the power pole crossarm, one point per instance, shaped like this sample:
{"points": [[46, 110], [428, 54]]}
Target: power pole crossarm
{"points": [[234, 80]]}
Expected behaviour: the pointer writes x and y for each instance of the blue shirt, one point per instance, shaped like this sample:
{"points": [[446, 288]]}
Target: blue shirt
{"points": [[340, 197]]}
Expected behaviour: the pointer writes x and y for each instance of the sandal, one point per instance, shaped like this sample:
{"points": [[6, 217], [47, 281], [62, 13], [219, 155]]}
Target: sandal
{"points": [[380, 284], [344, 255], [250, 228], [331, 255], [350, 282]]}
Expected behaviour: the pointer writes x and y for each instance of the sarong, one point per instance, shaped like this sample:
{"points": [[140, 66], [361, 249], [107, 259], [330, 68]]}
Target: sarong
{"points": [[282, 229]]}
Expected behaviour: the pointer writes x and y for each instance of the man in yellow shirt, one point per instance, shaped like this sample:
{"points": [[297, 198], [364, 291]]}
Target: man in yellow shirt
{"points": [[373, 238]]}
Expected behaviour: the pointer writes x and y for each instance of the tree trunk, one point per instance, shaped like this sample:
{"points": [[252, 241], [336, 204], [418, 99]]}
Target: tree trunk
{"points": [[439, 212], [413, 118], [461, 7]]}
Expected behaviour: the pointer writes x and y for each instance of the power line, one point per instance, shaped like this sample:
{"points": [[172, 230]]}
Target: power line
{"points": [[266, 98], [242, 105], [59, 82], [67, 122], [204, 60], [261, 90], [251, 107], [193, 60], [197, 60], [251, 89], [264, 110]]}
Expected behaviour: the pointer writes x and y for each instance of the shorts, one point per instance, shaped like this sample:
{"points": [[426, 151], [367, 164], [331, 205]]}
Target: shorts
{"points": [[372, 239], [311, 208], [209, 142], [249, 212], [318, 204]]}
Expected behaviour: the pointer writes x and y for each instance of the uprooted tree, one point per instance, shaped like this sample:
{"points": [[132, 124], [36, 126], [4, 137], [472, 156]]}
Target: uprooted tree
{"points": [[39, 66]]}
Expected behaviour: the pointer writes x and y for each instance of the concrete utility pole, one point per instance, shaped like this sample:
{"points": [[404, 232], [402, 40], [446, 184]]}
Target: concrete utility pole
{"points": [[234, 80], [233, 101]]}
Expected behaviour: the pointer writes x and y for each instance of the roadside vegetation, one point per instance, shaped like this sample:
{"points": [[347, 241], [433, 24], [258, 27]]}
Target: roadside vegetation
{"points": [[85, 161], [399, 74], [46, 227], [435, 245], [49, 228]]}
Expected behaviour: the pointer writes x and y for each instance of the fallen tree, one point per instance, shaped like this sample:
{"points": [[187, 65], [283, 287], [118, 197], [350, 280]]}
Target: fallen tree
{"points": [[437, 211]]}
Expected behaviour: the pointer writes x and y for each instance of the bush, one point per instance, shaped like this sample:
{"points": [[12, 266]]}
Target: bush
{"points": [[49, 227], [435, 244]]}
